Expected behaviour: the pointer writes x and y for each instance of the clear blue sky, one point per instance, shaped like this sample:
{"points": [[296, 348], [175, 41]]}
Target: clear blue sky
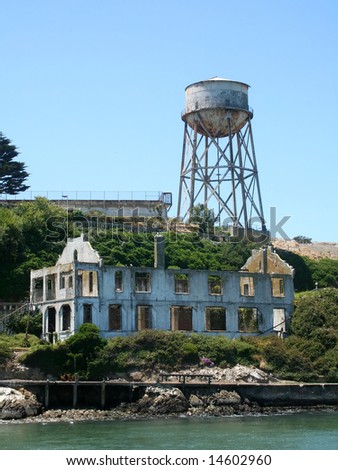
{"points": [[92, 92]]}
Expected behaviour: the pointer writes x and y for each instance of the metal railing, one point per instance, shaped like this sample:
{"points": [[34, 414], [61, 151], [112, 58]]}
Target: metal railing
{"points": [[86, 195]]}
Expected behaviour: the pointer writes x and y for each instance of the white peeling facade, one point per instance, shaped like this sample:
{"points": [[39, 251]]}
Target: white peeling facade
{"points": [[122, 300]]}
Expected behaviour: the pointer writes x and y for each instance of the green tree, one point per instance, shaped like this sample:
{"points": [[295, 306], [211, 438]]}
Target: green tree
{"points": [[302, 239], [82, 348], [324, 272], [303, 276], [316, 318], [31, 324], [24, 244], [204, 218], [12, 173]]}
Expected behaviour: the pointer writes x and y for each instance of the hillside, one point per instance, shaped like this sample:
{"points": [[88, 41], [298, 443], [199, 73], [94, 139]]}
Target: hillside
{"points": [[314, 250]]}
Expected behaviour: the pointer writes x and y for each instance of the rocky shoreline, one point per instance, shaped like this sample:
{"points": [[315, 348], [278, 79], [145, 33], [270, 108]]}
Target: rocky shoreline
{"points": [[163, 402], [82, 415]]}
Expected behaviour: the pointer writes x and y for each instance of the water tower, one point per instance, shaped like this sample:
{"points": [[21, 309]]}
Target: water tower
{"points": [[219, 168]]}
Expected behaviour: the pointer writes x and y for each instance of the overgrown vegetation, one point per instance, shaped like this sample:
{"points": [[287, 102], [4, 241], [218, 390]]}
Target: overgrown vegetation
{"points": [[311, 350], [155, 350], [185, 251], [20, 340], [91, 357], [71, 357], [30, 323], [10, 342]]}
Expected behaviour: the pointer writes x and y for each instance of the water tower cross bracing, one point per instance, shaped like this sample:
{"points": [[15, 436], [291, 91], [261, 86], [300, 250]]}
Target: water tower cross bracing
{"points": [[219, 168]]}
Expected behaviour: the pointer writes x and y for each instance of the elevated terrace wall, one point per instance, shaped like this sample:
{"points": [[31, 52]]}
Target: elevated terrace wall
{"points": [[58, 394]]}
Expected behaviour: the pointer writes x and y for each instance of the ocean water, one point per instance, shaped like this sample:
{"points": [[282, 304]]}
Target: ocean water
{"points": [[302, 431]]}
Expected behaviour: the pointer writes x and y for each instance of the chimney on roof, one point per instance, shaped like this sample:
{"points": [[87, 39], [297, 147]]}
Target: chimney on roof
{"points": [[265, 260], [159, 260]]}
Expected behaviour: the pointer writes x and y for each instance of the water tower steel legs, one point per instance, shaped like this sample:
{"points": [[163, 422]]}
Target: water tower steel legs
{"points": [[233, 176], [193, 171], [241, 179], [259, 210], [224, 179], [180, 190], [206, 172]]}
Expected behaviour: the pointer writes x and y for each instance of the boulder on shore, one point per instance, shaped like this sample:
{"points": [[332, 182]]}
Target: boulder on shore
{"points": [[161, 400], [222, 398], [18, 404]]}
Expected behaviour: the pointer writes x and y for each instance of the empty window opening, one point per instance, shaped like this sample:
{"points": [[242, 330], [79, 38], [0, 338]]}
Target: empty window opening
{"points": [[66, 280], [277, 286], [279, 320], [248, 319], [115, 317], [62, 281], [51, 287], [118, 281], [142, 282], [87, 313], [51, 316], [181, 283], [247, 286], [87, 284], [79, 284], [215, 319], [215, 285], [181, 318], [38, 283], [65, 311], [38, 289], [91, 282], [144, 317]]}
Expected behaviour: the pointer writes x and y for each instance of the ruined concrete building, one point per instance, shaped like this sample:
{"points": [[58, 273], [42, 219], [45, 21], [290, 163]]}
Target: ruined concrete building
{"points": [[122, 300]]}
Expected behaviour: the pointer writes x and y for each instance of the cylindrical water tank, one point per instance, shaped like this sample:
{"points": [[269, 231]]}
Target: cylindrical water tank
{"points": [[212, 104]]}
